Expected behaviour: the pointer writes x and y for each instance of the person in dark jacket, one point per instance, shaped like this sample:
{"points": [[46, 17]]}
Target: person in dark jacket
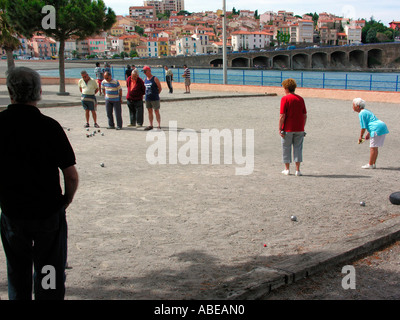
{"points": [[33, 217], [134, 97]]}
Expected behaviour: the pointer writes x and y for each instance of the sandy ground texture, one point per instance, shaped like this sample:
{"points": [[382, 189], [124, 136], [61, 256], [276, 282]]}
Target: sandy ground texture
{"points": [[186, 231], [376, 278]]}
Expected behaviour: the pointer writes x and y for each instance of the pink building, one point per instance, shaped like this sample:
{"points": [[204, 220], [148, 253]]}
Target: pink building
{"points": [[97, 45], [43, 46]]}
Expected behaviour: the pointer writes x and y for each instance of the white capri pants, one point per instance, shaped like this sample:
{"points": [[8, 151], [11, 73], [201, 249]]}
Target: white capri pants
{"points": [[294, 139]]}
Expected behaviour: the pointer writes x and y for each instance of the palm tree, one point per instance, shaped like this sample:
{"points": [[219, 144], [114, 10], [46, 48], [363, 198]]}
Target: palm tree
{"points": [[8, 40]]}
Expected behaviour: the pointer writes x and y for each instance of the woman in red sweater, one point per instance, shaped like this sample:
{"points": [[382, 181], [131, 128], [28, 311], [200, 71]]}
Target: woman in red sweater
{"points": [[293, 116], [134, 97]]}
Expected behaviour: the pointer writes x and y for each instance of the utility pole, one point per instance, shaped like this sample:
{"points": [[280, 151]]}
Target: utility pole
{"points": [[224, 54]]}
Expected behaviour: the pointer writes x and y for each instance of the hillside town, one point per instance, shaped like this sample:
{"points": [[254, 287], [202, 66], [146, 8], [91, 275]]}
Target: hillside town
{"points": [[163, 28]]}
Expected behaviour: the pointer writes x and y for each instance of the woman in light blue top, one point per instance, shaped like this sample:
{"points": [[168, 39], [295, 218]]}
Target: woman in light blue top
{"points": [[377, 131]]}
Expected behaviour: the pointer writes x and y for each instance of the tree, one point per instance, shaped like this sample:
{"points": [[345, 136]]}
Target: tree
{"points": [[376, 31], [139, 30], [184, 13], [256, 15], [8, 37], [73, 18], [371, 36]]}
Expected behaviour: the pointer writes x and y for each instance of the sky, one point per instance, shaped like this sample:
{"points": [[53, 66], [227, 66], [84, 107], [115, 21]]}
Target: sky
{"points": [[385, 11]]}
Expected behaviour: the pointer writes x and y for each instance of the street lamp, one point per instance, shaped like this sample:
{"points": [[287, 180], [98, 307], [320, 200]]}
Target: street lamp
{"points": [[224, 55]]}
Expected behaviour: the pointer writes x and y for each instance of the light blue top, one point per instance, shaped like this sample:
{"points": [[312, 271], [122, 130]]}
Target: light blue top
{"points": [[374, 126]]}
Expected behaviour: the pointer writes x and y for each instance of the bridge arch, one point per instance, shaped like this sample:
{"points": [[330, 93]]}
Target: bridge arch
{"points": [[319, 60], [300, 61], [374, 58], [216, 63], [261, 61], [240, 62], [281, 62], [356, 59], [338, 59]]}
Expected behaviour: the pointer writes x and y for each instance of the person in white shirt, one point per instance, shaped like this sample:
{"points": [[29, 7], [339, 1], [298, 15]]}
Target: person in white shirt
{"points": [[88, 88]]}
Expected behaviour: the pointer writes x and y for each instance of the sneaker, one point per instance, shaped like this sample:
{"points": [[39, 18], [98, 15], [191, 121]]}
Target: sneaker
{"points": [[369, 166], [298, 173], [96, 125], [139, 126], [285, 172], [119, 128], [110, 127], [131, 125], [86, 125]]}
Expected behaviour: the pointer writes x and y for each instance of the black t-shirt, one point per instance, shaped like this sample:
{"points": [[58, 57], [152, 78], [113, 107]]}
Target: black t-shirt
{"points": [[128, 73], [33, 147]]}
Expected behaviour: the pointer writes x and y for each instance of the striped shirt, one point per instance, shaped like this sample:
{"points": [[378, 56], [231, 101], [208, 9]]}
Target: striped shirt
{"points": [[112, 89], [186, 73]]}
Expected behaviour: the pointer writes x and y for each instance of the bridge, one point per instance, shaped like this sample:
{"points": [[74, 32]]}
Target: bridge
{"points": [[379, 57]]}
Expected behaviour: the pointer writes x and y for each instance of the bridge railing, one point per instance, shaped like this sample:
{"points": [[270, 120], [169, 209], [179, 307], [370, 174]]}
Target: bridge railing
{"points": [[312, 79]]}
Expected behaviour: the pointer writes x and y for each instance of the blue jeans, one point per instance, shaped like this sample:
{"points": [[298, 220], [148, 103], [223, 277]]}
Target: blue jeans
{"points": [[39, 243], [110, 107]]}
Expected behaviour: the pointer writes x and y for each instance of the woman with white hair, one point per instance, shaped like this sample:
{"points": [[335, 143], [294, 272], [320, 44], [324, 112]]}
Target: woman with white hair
{"points": [[377, 131]]}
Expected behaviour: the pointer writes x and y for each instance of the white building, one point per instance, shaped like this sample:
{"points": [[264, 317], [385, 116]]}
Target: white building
{"points": [[353, 34], [245, 40], [192, 45], [70, 46], [115, 45], [152, 47], [302, 31]]}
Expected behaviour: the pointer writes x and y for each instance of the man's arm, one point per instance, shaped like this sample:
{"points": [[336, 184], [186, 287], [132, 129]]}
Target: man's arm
{"points": [[71, 181], [158, 84]]}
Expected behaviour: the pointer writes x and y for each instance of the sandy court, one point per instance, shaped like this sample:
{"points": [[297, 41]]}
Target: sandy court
{"points": [[176, 231]]}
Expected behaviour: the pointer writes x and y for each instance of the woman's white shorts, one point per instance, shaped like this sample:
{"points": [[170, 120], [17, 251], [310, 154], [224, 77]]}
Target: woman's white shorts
{"points": [[377, 141]]}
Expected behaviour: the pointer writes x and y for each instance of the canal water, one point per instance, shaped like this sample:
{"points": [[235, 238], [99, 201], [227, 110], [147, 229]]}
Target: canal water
{"points": [[373, 81]]}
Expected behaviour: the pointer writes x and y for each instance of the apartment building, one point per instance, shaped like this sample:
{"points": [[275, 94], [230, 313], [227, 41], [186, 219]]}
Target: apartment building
{"points": [[130, 42], [166, 5], [43, 46], [192, 45], [143, 12], [353, 34], [302, 31], [328, 35], [246, 40]]}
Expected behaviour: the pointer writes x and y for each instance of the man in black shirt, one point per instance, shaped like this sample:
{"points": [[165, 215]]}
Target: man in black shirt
{"points": [[33, 221]]}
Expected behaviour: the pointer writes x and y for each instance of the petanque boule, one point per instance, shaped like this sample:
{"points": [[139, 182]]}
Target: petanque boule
{"points": [[293, 218], [102, 164], [394, 198], [362, 203]]}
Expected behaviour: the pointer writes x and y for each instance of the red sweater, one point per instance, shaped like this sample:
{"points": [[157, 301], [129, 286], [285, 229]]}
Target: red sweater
{"points": [[136, 91], [294, 109]]}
